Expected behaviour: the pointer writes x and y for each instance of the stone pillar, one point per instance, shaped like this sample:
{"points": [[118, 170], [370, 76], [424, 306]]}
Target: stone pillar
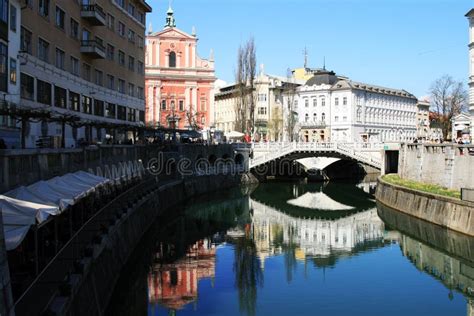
{"points": [[6, 301]]}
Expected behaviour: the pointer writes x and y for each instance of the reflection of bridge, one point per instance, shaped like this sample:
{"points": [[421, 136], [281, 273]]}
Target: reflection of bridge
{"points": [[366, 153], [312, 237]]}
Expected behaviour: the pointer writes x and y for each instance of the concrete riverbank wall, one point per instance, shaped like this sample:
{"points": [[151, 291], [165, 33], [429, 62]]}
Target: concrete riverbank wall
{"points": [[90, 292], [447, 212], [448, 165], [26, 166]]}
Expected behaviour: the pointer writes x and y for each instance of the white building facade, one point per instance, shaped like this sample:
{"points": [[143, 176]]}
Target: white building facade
{"points": [[470, 17], [336, 108]]}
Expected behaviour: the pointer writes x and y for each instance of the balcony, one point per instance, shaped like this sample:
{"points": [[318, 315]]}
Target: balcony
{"points": [[313, 125], [94, 14], [93, 48]]}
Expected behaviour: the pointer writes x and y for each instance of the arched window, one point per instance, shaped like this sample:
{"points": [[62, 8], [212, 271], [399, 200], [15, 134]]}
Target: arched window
{"points": [[172, 60], [306, 117], [315, 117], [323, 117]]}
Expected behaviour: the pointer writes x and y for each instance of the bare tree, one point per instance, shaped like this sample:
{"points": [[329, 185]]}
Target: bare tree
{"points": [[275, 125], [192, 118], [245, 87], [448, 99]]}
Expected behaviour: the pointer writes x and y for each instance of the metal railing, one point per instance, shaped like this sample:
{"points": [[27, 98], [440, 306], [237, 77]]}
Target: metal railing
{"points": [[94, 44], [93, 8]]}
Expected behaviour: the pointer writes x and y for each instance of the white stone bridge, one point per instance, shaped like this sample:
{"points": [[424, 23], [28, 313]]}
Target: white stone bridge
{"points": [[366, 153]]}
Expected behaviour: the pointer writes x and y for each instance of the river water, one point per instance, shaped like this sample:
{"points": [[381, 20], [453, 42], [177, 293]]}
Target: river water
{"points": [[291, 248]]}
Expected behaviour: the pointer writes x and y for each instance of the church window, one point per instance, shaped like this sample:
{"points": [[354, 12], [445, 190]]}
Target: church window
{"points": [[172, 60]]}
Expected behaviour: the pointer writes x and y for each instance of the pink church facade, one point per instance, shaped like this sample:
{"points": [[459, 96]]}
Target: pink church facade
{"points": [[179, 85]]}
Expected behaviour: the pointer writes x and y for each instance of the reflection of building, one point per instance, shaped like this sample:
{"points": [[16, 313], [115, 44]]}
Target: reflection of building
{"points": [[455, 274], [179, 84], [175, 284], [312, 237]]}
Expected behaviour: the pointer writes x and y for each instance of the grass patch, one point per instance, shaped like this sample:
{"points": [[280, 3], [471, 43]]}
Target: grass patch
{"points": [[425, 187]]}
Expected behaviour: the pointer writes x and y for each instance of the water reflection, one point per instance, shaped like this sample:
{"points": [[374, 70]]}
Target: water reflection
{"points": [[445, 255], [253, 234]]}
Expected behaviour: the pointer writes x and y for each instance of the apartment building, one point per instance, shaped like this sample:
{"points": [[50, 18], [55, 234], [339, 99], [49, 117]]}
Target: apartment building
{"points": [[83, 61]]}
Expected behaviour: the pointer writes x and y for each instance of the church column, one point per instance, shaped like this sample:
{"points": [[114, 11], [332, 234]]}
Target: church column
{"points": [[150, 106], [158, 104], [157, 47], [187, 98], [193, 56]]}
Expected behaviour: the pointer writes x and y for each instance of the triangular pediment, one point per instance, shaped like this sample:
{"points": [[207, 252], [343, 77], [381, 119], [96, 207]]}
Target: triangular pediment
{"points": [[462, 117], [172, 32]]}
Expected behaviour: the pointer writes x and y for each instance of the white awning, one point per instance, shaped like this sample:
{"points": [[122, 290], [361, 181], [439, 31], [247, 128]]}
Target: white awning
{"points": [[18, 216]]}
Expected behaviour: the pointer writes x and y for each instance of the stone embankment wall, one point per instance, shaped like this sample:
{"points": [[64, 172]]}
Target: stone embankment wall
{"points": [[26, 166], [91, 292], [446, 212], [447, 165]]}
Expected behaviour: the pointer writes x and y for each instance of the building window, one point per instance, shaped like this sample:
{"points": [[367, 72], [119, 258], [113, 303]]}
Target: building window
{"points": [[86, 72], [141, 116], [315, 102], [3, 67], [59, 18], [43, 92], [323, 101], [132, 115], [336, 101], [121, 3], [140, 67], [4, 11], [306, 103], [43, 7], [131, 36], [121, 86], [315, 117], [131, 89], [74, 101], [110, 22], [110, 110], [121, 57], [181, 105], [86, 34], [172, 60], [60, 58], [306, 117], [13, 70], [27, 86], [74, 32], [43, 50], [98, 108], [131, 63], [140, 41], [344, 101], [203, 105], [75, 66], [60, 96], [344, 118], [163, 104], [25, 40], [262, 97], [110, 82], [99, 77], [140, 93], [359, 114], [141, 17], [323, 117], [121, 29], [110, 52], [121, 112], [13, 18], [336, 118], [86, 104], [131, 9]]}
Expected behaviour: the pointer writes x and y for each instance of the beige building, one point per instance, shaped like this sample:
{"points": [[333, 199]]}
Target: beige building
{"points": [[83, 60], [423, 119], [271, 113]]}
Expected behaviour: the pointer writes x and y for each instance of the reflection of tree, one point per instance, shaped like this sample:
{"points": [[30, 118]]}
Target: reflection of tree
{"points": [[247, 274]]}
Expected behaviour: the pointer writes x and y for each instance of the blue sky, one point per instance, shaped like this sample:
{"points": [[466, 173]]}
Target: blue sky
{"points": [[404, 44]]}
